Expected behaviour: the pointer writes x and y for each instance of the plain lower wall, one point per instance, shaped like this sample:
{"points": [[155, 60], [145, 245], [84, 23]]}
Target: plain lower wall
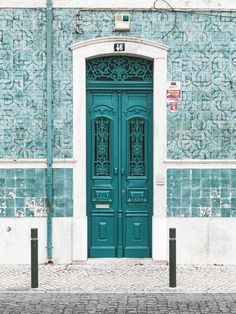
{"points": [[15, 241], [199, 240], [205, 240]]}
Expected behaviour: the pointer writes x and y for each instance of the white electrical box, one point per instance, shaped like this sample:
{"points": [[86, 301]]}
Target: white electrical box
{"points": [[160, 180], [122, 22]]}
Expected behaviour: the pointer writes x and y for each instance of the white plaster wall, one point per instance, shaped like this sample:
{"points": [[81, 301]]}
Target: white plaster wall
{"points": [[199, 240], [204, 240], [15, 240]]}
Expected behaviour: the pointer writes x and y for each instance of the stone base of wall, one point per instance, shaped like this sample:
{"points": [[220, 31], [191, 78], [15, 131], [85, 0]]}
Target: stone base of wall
{"points": [[199, 240], [15, 240], [205, 241]]}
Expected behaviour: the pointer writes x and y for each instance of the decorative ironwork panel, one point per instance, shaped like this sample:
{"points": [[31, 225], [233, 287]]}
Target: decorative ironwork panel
{"points": [[102, 145], [137, 150], [119, 69]]}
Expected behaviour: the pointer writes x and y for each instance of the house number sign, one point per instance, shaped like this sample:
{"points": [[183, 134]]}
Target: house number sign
{"points": [[119, 47]]}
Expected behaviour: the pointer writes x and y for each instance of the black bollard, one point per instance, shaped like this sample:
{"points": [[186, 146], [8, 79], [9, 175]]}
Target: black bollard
{"points": [[34, 258], [172, 257]]}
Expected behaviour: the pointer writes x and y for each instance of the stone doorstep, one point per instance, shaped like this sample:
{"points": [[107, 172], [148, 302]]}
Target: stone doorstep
{"points": [[119, 261]]}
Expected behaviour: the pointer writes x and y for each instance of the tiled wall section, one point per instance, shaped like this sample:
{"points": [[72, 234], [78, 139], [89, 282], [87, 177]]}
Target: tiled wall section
{"points": [[202, 56], [201, 192], [23, 87], [23, 192], [22, 84]]}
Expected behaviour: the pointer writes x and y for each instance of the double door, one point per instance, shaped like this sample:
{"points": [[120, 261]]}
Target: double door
{"points": [[119, 173]]}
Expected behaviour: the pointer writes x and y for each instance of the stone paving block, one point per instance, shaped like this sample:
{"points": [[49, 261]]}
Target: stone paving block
{"points": [[151, 277]]}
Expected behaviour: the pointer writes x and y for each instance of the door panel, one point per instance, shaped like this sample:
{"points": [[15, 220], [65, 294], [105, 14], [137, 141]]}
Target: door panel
{"points": [[137, 237], [119, 173], [102, 202], [137, 172]]}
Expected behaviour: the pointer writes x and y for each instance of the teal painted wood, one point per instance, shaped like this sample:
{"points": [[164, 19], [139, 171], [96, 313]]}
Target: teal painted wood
{"points": [[119, 165], [136, 171]]}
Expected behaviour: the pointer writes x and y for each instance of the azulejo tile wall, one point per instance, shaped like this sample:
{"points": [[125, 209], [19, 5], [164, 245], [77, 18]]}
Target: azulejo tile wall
{"points": [[23, 87], [202, 56], [23, 193], [22, 84], [201, 192]]}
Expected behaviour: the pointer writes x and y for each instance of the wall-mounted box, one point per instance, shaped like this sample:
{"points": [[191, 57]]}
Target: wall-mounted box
{"points": [[122, 22]]}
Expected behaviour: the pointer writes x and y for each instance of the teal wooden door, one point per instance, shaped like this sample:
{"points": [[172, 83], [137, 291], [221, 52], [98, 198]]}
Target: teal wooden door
{"points": [[119, 169]]}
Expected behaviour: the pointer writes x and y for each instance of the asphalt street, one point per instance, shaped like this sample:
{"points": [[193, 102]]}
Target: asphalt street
{"points": [[68, 303]]}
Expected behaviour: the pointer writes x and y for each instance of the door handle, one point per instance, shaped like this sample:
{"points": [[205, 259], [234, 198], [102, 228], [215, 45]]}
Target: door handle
{"points": [[122, 171], [115, 170]]}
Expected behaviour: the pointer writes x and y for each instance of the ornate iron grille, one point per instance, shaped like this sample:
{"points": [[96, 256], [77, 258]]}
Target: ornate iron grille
{"points": [[137, 149], [120, 69], [102, 147]]}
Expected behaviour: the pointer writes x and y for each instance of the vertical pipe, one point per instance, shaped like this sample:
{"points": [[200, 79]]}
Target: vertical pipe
{"points": [[49, 182]]}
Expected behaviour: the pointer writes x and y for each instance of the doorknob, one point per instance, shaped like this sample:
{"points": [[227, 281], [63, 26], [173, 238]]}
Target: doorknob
{"points": [[115, 170], [123, 171]]}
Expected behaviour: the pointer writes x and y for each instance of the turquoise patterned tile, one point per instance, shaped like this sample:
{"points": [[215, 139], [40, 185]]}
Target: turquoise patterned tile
{"points": [[195, 212], [23, 192], [233, 202], [225, 192], [210, 193], [185, 212], [215, 212], [225, 212], [185, 192]]}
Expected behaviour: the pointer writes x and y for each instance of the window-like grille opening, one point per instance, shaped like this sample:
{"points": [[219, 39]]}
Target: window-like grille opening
{"points": [[102, 146], [137, 147]]}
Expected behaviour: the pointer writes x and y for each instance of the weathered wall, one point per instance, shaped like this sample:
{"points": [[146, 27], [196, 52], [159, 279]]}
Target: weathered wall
{"points": [[201, 192], [23, 193], [202, 56], [15, 240]]}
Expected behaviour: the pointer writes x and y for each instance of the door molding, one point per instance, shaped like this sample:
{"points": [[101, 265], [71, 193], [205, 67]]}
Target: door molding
{"points": [[105, 47]]}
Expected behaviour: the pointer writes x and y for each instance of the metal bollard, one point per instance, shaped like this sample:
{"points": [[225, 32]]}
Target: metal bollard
{"points": [[172, 257], [34, 258]]}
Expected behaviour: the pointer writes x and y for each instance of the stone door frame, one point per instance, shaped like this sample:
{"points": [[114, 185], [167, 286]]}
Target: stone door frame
{"points": [[133, 47]]}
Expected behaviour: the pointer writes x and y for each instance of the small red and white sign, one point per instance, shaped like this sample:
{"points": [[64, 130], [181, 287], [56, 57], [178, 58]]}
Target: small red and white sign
{"points": [[173, 90], [173, 94], [173, 105]]}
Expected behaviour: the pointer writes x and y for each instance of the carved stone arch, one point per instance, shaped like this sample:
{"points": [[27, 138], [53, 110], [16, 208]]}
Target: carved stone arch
{"points": [[99, 47]]}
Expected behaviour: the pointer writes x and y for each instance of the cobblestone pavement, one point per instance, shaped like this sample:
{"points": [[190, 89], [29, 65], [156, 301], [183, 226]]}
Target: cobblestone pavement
{"points": [[117, 303], [119, 277]]}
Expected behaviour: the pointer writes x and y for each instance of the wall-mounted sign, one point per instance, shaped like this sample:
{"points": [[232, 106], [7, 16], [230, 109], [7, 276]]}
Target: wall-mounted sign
{"points": [[173, 105], [173, 90], [102, 206], [174, 85], [173, 94], [119, 47], [160, 180]]}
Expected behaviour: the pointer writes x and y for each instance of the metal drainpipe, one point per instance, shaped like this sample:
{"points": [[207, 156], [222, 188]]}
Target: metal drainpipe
{"points": [[49, 182]]}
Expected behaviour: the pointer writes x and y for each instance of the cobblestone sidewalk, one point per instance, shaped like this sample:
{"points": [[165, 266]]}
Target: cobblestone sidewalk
{"points": [[123, 277], [61, 303]]}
